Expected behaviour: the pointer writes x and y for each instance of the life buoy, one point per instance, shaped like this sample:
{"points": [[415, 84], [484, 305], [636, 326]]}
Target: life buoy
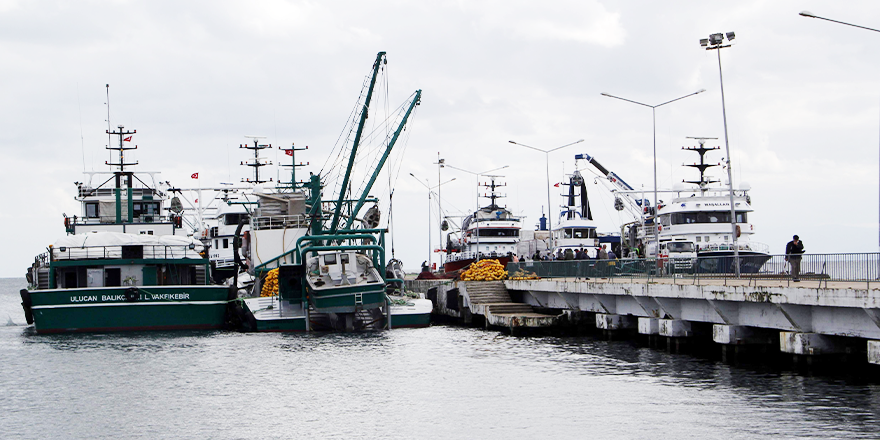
{"points": [[738, 232], [132, 294]]}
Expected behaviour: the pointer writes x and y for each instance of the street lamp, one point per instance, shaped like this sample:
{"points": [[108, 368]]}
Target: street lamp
{"points": [[811, 15], [430, 190], [547, 166], [654, 122], [716, 42]]}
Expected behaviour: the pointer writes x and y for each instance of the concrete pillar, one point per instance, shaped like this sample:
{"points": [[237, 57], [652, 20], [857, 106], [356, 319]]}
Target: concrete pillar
{"points": [[674, 328], [874, 352], [615, 322], [741, 335], [810, 344], [649, 326]]}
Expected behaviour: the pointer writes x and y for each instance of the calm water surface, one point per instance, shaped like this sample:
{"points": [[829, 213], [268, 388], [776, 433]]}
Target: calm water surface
{"points": [[438, 382]]}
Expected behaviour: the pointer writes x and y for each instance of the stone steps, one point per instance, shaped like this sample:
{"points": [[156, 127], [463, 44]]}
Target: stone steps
{"points": [[510, 308]]}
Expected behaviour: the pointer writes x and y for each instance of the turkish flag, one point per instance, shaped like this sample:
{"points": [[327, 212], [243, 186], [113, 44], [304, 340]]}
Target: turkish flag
{"points": [[195, 175], [288, 152], [128, 139], [557, 185]]}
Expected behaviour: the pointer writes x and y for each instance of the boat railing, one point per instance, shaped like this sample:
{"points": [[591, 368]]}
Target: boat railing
{"points": [[144, 218], [751, 246], [823, 268], [458, 256], [280, 222], [133, 252]]}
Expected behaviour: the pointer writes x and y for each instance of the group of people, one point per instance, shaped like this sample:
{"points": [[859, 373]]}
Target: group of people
{"points": [[575, 254]]}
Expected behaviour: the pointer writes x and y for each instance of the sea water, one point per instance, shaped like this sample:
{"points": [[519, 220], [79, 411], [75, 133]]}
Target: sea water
{"points": [[437, 382]]}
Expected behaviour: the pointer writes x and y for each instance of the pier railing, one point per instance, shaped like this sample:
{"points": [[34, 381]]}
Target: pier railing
{"points": [[852, 267]]}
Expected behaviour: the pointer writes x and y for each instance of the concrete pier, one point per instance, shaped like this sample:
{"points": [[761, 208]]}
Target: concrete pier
{"points": [[806, 319]]}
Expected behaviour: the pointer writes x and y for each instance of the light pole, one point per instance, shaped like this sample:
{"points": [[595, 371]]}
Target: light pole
{"points": [[547, 167], [430, 190], [654, 122], [811, 15], [716, 42]]}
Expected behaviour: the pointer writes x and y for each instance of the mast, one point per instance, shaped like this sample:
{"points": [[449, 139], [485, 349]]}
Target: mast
{"points": [[702, 166], [120, 173], [258, 162], [334, 224], [293, 166]]}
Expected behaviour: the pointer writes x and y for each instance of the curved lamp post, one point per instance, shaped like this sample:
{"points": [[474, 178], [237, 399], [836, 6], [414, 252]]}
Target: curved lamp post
{"points": [[550, 214], [811, 15], [654, 122], [430, 191]]}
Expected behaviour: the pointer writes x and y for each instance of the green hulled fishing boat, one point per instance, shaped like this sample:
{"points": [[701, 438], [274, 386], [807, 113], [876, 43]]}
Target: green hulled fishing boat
{"points": [[110, 281], [319, 264]]}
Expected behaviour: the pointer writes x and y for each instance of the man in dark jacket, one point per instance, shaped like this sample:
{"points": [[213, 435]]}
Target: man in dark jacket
{"points": [[793, 251]]}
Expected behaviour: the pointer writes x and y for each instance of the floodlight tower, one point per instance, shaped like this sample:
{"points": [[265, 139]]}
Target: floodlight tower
{"points": [[716, 42]]}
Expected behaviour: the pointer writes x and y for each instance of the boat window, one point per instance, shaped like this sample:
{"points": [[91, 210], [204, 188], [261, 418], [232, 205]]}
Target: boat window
{"points": [[498, 232], [225, 243], [698, 238], [684, 218], [92, 210], [330, 259], [665, 219], [232, 219], [344, 258], [568, 233], [584, 233]]}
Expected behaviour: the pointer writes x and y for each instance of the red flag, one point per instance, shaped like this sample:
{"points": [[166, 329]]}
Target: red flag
{"points": [[195, 175], [288, 152], [197, 201], [557, 185], [128, 139]]}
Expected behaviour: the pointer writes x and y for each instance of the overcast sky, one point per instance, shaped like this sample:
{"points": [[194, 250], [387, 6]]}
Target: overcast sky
{"points": [[803, 101]]}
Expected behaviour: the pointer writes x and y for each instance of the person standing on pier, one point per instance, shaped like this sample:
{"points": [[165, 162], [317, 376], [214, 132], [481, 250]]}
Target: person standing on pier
{"points": [[793, 252]]}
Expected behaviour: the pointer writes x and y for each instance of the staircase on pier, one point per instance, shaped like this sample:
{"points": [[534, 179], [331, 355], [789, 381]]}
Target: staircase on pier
{"points": [[491, 299]]}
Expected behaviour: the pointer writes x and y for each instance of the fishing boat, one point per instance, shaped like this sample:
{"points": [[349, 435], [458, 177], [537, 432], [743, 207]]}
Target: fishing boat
{"points": [[111, 281], [317, 262], [408, 309], [694, 229], [489, 232], [125, 265], [576, 229]]}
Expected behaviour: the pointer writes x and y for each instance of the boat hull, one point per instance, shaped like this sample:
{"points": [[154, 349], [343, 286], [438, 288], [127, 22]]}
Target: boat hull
{"points": [[110, 310], [723, 262]]}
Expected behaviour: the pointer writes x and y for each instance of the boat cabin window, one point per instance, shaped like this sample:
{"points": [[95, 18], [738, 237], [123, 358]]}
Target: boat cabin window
{"points": [[225, 243], [680, 246], [583, 233], [344, 258], [92, 210], [498, 232], [232, 219], [684, 218], [330, 259], [148, 209]]}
